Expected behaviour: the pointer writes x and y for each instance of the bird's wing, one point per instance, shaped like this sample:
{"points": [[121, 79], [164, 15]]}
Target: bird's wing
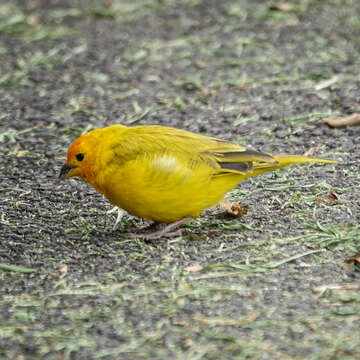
{"points": [[242, 160], [192, 148]]}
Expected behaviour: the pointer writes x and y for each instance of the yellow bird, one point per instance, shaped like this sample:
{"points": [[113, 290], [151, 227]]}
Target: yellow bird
{"points": [[165, 174]]}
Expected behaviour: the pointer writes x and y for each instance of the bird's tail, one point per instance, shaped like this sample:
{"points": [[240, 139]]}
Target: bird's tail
{"points": [[285, 160]]}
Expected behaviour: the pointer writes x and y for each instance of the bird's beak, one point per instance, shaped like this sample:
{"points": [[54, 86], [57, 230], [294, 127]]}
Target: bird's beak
{"points": [[65, 171]]}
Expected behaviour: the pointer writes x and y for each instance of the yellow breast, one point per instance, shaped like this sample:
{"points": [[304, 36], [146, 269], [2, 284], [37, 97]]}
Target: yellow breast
{"points": [[163, 188]]}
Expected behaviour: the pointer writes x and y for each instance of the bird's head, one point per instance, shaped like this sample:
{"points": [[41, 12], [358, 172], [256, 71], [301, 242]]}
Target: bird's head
{"points": [[80, 157], [87, 155]]}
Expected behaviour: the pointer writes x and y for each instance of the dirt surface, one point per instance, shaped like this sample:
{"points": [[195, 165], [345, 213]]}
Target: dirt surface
{"points": [[271, 284]]}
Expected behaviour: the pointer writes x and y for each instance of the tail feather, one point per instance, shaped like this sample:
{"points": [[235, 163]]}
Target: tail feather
{"points": [[285, 160]]}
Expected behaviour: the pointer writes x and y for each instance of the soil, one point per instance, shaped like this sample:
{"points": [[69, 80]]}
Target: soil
{"points": [[271, 284]]}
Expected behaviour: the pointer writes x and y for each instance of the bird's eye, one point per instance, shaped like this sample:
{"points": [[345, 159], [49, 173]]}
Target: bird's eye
{"points": [[80, 157]]}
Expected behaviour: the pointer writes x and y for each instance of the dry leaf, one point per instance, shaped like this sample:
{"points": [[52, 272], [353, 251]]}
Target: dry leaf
{"points": [[34, 20], [167, 258], [312, 150], [281, 6], [206, 92], [351, 120], [63, 269], [201, 64], [326, 83], [340, 287], [184, 287], [353, 260], [234, 209], [61, 272], [152, 78], [212, 233], [109, 3], [194, 268], [329, 199], [224, 321], [21, 153]]}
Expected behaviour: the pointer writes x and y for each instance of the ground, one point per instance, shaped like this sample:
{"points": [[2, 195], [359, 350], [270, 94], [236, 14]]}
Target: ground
{"points": [[271, 284]]}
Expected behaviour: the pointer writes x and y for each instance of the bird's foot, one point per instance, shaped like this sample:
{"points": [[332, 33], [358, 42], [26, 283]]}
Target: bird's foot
{"points": [[147, 228], [165, 232], [158, 235]]}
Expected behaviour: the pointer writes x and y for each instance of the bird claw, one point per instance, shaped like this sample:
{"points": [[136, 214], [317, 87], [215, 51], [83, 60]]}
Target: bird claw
{"points": [[151, 227], [165, 232], [157, 235]]}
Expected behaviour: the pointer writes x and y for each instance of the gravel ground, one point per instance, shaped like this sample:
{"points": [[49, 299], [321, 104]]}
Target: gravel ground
{"points": [[271, 284]]}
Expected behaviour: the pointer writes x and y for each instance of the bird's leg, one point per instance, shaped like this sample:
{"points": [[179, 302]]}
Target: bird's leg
{"points": [[165, 232], [150, 227]]}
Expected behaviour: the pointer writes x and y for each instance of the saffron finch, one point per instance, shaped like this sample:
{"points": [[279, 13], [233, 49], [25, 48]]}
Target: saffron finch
{"points": [[165, 174]]}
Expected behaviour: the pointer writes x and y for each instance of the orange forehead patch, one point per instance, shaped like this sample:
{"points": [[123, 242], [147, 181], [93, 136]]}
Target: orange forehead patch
{"points": [[74, 148]]}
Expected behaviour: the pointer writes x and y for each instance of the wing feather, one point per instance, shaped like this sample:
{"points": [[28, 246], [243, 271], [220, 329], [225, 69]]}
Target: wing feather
{"points": [[192, 149]]}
